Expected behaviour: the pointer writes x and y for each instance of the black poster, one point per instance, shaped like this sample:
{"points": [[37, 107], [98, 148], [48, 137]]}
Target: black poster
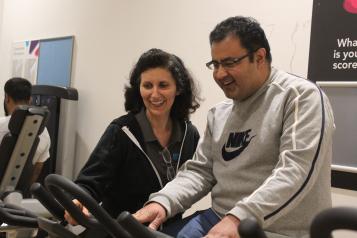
{"points": [[333, 43]]}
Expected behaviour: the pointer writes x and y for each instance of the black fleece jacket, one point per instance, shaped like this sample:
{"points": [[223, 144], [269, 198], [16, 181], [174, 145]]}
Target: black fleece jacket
{"points": [[118, 173]]}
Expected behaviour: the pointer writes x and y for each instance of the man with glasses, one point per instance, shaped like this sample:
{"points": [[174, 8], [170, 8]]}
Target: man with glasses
{"points": [[266, 152]]}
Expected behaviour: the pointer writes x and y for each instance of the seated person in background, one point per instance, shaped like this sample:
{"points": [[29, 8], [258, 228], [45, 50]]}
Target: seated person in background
{"points": [[266, 152], [18, 92], [143, 150]]}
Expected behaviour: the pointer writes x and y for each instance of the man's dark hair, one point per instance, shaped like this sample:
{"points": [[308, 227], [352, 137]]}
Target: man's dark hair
{"points": [[247, 30], [186, 102], [19, 89]]}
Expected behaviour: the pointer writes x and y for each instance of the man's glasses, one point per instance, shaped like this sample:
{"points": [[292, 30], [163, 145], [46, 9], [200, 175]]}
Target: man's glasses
{"points": [[227, 63], [170, 170]]}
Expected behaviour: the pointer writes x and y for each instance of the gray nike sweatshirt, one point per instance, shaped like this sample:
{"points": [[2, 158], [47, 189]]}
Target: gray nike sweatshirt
{"points": [[268, 156]]}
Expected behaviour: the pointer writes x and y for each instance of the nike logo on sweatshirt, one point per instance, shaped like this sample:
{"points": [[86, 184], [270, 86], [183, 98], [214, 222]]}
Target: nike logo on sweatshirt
{"points": [[237, 140]]}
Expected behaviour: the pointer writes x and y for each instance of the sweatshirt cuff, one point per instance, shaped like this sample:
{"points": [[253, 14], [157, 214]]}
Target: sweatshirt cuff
{"points": [[240, 213], [163, 201]]}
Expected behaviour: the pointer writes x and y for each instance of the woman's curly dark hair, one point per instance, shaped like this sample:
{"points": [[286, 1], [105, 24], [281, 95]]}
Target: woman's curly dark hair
{"points": [[186, 102]]}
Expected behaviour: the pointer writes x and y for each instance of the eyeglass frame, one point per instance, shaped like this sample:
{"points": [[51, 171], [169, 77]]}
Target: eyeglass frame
{"points": [[170, 170], [233, 61]]}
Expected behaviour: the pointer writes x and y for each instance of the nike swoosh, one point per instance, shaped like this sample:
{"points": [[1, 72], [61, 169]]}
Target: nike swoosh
{"points": [[229, 155]]}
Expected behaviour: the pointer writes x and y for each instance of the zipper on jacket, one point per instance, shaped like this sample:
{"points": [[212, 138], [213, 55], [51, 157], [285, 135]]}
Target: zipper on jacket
{"points": [[183, 140], [136, 142]]}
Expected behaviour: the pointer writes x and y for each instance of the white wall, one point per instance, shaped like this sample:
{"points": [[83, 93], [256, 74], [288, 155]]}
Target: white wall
{"points": [[1, 15], [1, 12], [111, 34]]}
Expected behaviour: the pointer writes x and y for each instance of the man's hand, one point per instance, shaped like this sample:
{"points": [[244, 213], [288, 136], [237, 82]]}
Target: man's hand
{"points": [[226, 228], [70, 219], [153, 213]]}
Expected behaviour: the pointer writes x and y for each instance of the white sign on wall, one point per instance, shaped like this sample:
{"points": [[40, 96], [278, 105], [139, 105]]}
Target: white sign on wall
{"points": [[25, 60]]}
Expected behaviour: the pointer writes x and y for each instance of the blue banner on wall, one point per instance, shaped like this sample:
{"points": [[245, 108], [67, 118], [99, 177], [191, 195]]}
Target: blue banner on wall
{"points": [[55, 62]]}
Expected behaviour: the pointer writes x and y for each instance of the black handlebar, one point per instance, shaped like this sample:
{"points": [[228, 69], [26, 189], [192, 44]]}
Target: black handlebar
{"points": [[332, 219], [17, 216], [136, 229], [133, 226], [250, 228], [48, 201], [53, 229], [62, 187]]}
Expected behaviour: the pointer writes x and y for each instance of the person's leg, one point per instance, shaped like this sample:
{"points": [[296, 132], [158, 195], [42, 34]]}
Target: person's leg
{"points": [[199, 225], [174, 227]]}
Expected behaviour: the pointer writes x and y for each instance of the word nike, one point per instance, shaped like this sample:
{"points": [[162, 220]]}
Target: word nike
{"points": [[237, 140]]}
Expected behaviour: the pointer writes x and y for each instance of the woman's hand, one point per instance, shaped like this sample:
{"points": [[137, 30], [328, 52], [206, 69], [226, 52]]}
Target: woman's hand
{"points": [[68, 216]]}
